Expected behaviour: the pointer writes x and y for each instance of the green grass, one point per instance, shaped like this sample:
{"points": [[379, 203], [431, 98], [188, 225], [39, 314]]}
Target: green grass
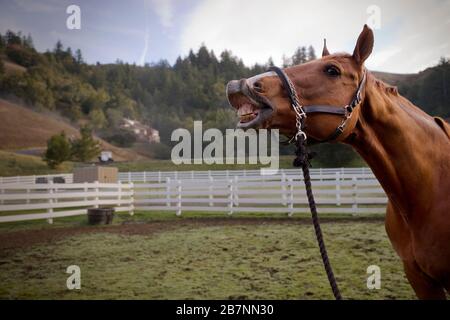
{"points": [[268, 261], [12, 164]]}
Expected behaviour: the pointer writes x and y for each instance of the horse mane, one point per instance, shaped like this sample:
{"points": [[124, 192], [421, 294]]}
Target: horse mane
{"points": [[391, 90]]}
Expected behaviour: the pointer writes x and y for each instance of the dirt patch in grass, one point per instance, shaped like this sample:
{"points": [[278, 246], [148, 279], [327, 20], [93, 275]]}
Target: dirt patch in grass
{"points": [[23, 238]]}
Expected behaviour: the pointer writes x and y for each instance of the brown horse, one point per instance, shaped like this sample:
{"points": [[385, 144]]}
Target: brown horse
{"points": [[408, 150]]}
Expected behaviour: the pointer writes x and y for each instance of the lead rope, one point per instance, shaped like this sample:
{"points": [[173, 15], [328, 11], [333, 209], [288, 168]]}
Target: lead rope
{"points": [[302, 160]]}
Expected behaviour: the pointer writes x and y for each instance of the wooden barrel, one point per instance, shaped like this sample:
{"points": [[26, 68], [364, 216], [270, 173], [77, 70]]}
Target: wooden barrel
{"points": [[100, 215]]}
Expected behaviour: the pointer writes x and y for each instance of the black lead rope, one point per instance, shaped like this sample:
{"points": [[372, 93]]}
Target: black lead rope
{"points": [[303, 157], [303, 160]]}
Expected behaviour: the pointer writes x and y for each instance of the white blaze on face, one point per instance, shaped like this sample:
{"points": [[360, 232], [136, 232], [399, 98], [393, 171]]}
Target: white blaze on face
{"points": [[252, 80]]}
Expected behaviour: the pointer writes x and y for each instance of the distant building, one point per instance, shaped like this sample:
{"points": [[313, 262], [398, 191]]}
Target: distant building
{"points": [[142, 132], [106, 156]]}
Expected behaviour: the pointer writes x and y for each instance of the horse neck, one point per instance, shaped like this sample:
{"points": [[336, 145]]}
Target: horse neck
{"points": [[395, 139]]}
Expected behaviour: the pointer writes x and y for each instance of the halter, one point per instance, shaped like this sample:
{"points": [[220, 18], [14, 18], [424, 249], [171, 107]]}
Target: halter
{"points": [[302, 111]]}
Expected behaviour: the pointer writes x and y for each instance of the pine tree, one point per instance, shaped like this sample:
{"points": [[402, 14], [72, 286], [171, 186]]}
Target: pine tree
{"points": [[311, 53], [86, 147], [79, 56], [58, 47], [299, 56]]}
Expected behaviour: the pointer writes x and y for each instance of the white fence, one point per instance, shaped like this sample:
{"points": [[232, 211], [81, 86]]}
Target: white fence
{"points": [[334, 193], [160, 176], [354, 191], [19, 202]]}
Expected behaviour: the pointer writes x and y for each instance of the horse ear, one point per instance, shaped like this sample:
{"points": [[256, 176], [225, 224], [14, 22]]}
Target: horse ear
{"points": [[325, 51], [364, 45]]}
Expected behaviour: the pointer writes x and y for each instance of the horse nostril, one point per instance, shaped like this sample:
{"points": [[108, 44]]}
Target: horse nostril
{"points": [[257, 86]]}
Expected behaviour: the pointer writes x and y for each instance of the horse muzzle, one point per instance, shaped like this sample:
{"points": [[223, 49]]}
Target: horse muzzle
{"points": [[252, 108]]}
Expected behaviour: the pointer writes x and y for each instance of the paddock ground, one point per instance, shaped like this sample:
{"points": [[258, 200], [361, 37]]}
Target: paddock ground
{"points": [[160, 256]]}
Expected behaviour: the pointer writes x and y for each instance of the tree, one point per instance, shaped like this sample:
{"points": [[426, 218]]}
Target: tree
{"points": [[78, 56], [299, 56], [2, 43], [2, 68], [98, 118], [58, 47], [311, 53], [58, 150], [86, 147]]}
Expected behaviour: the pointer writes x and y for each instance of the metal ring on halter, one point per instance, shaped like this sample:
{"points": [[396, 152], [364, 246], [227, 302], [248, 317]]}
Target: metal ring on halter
{"points": [[300, 133]]}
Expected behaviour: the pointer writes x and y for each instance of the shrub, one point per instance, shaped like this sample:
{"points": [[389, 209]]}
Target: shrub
{"points": [[58, 150]]}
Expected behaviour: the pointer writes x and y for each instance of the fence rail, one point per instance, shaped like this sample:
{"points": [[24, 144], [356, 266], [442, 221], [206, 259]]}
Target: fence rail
{"points": [[22, 201], [160, 176], [354, 191]]}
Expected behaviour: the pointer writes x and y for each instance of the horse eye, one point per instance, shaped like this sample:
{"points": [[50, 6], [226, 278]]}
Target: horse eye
{"points": [[332, 71]]}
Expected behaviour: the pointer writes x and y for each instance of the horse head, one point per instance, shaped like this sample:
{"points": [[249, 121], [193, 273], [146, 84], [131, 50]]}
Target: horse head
{"points": [[263, 102]]}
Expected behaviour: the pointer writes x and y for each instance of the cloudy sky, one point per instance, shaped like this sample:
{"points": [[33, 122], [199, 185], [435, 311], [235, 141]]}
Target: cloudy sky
{"points": [[410, 35]]}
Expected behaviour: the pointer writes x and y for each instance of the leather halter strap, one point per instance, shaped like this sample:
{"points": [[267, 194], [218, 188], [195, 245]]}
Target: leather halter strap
{"points": [[345, 111]]}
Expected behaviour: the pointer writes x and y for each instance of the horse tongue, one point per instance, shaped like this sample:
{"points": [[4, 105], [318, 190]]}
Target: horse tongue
{"points": [[245, 109]]}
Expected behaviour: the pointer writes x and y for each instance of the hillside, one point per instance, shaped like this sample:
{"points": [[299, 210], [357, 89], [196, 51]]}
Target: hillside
{"points": [[394, 79], [23, 128], [159, 95]]}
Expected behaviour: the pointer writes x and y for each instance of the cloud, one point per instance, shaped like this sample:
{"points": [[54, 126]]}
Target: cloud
{"points": [[165, 11], [411, 36]]}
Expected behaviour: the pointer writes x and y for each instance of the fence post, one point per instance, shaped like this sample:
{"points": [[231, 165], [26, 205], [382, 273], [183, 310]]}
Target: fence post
{"points": [[168, 191], [85, 189], [354, 195], [283, 188], [28, 199], [211, 189], [119, 197], [236, 190], [230, 197], [338, 188], [2, 192], [159, 176], [50, 203], [145, 176], [291, 197], [131, 184], [96, 205], [179, 198]]}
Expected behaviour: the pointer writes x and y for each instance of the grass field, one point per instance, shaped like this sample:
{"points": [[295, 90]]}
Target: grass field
{"points": [[160, 256]]}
